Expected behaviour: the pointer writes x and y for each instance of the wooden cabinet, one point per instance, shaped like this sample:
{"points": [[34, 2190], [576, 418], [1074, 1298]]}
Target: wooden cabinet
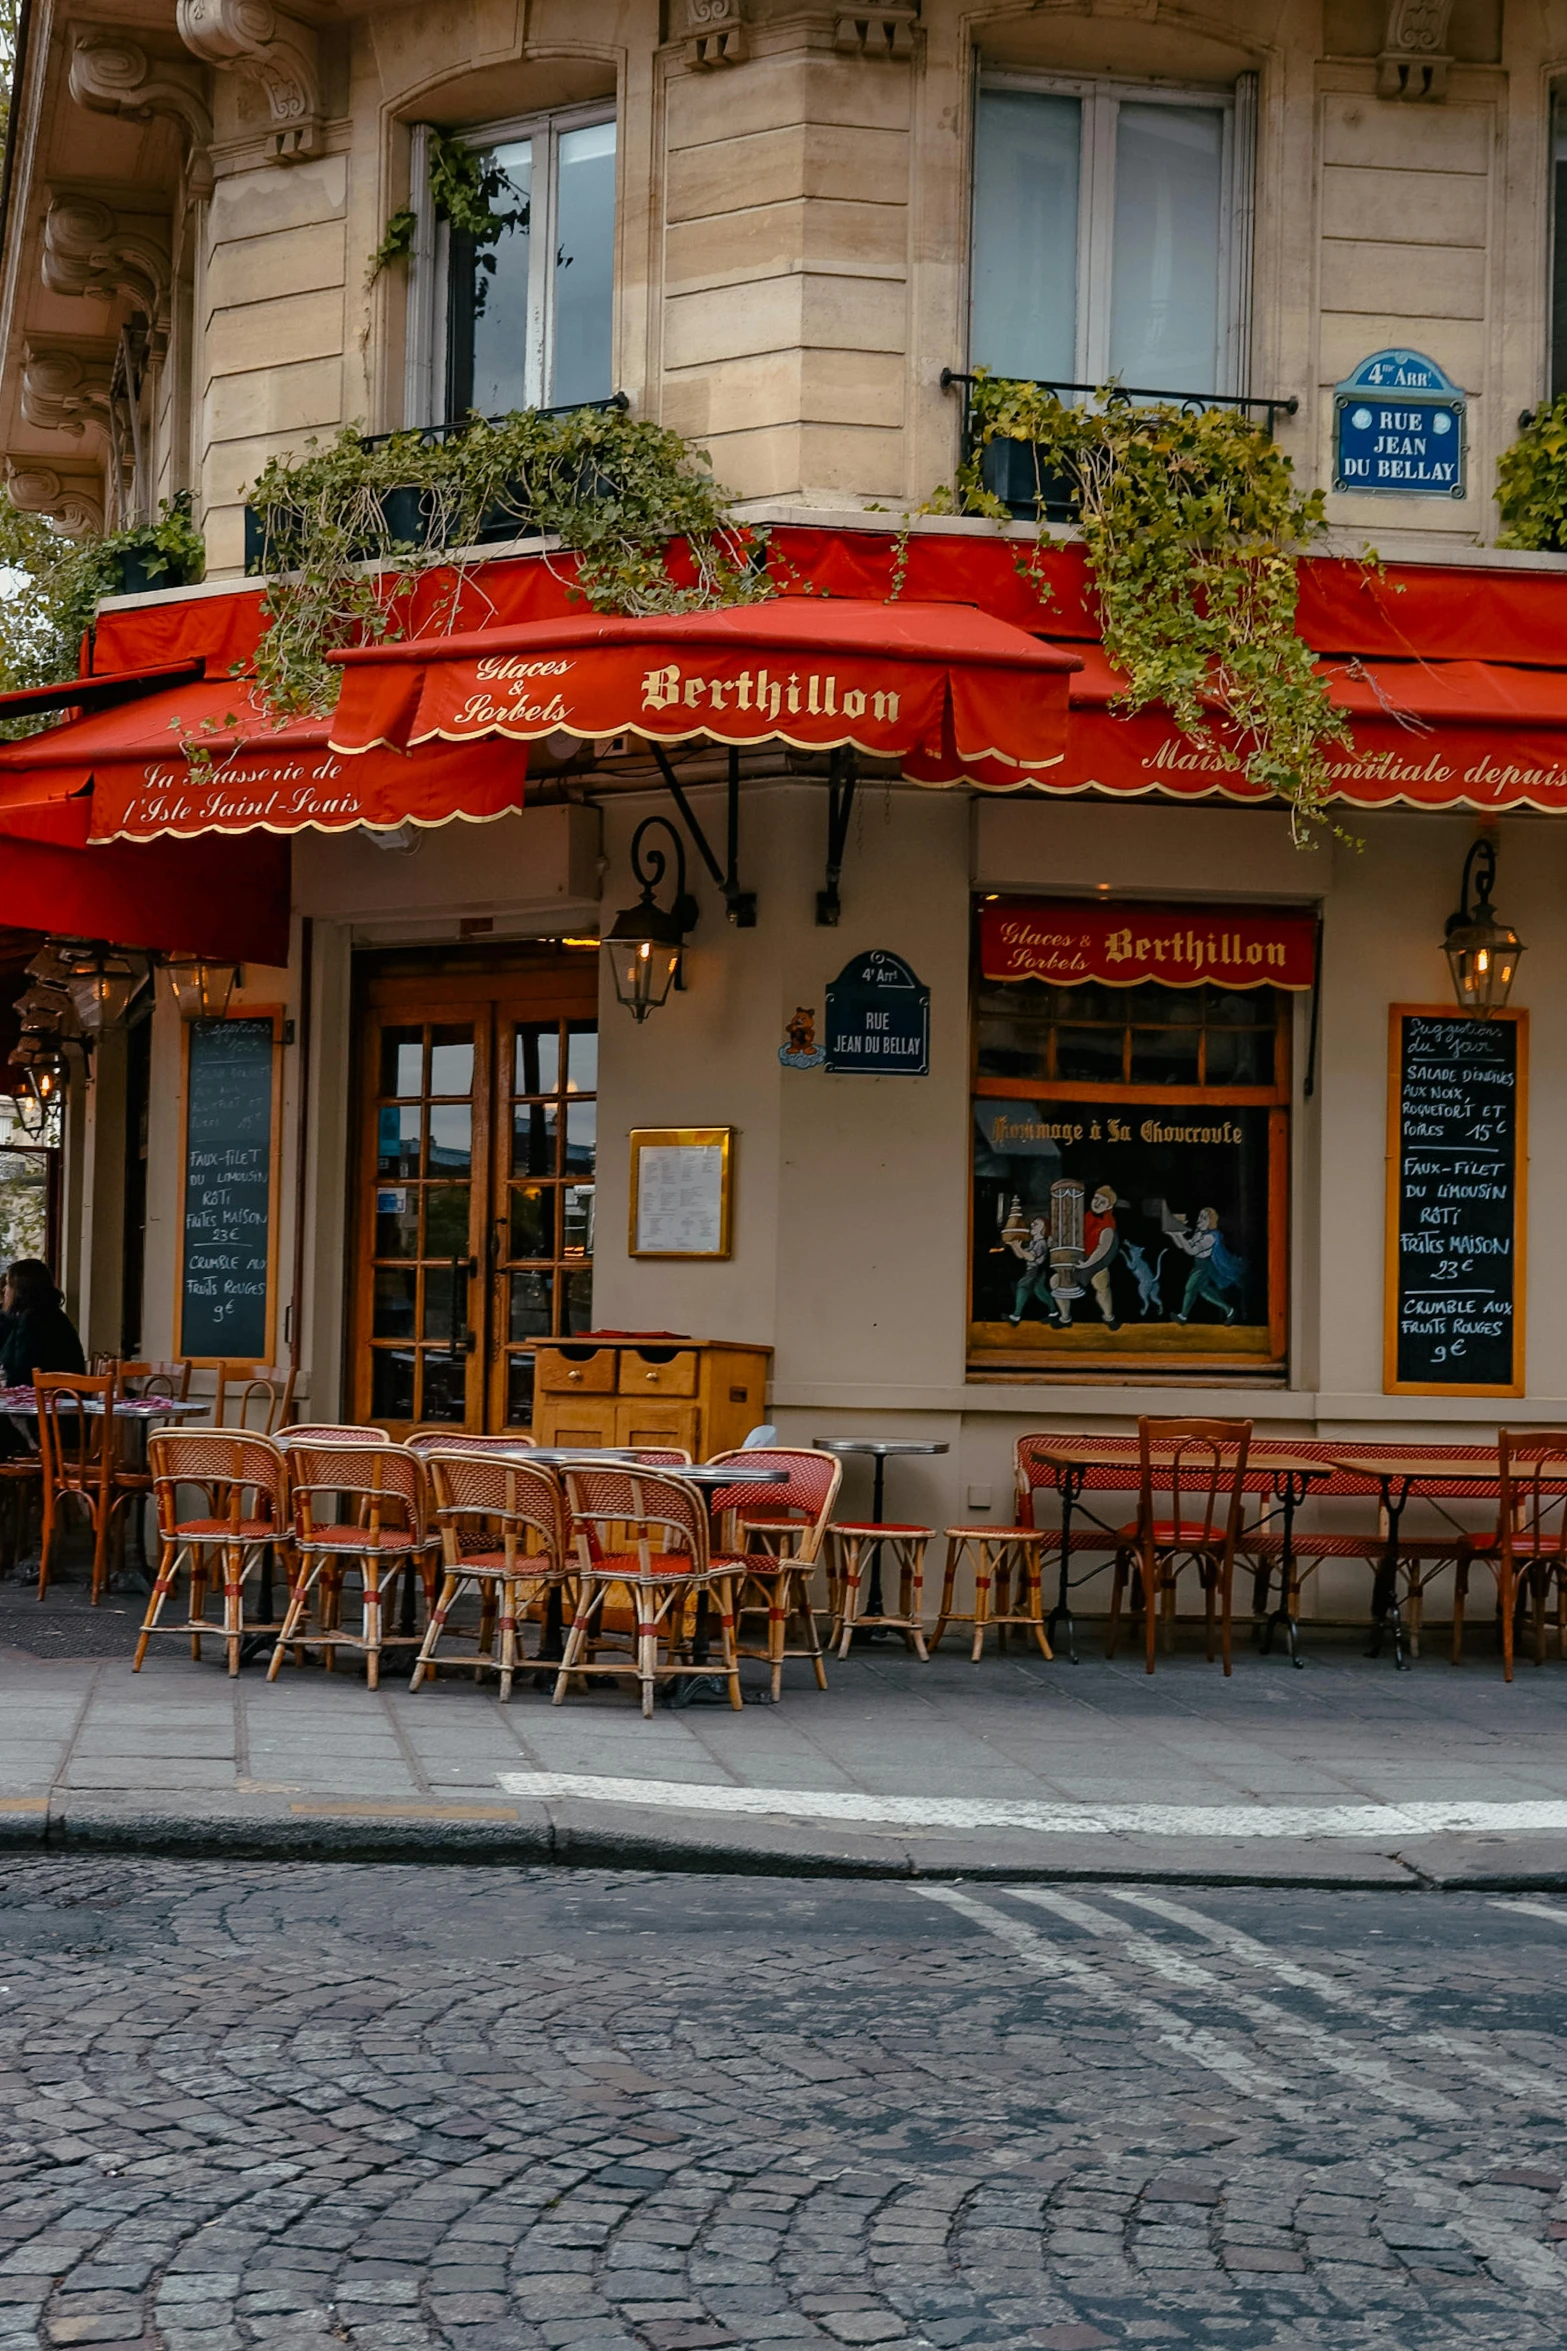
{"points": [[704, 1394]]}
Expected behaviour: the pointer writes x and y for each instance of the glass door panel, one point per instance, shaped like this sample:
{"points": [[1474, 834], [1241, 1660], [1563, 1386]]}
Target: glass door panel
{"points": [[541, 1232], [422, 1358]]}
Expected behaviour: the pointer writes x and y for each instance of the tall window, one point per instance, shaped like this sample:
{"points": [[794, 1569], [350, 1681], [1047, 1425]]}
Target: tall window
{"points": [[521, 317], [1110, 234], [1559, 246]]}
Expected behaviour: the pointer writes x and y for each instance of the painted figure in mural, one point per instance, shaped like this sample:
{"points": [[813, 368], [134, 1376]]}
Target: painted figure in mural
{"points": [[1102, 1246], [1034, 1250], [1217, 1274]]}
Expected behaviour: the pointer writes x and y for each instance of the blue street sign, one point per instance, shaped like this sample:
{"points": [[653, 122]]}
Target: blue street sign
{"points": [[1398, 429], [878, 1018]]}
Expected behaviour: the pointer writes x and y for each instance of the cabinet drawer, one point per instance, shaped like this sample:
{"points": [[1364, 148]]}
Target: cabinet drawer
{"points": [[581, 1371], [657, 1372]]}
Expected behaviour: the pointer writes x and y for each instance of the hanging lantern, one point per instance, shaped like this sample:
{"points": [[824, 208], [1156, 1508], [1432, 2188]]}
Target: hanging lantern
{"points": [[645, 943], [1482, 951], [101, 981], [202, 990], [43, 1083]]}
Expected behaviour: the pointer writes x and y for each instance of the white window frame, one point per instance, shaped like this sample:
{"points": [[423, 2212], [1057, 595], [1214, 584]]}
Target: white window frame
{"points": [[1100, 99], [424, 389]]}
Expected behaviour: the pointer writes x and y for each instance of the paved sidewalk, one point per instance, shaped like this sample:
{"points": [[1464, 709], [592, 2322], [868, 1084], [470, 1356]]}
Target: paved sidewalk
{"points": [[1343, 1773]]}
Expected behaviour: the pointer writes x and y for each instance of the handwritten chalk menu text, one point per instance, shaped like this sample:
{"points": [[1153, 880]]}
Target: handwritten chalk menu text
{"points": [[226, 1263], [1456, 1178]]}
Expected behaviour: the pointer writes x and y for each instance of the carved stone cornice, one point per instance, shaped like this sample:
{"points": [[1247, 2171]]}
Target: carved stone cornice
{"points": [[64, 388], [887, 31], [278, 52], [89, 248], [1415, 56], [112, 74], [715, 34], [38, 489]]}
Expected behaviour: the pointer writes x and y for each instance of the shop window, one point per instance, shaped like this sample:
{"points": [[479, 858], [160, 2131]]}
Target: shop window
{"points": [[1559, 245], [1130, 1194], [1111, 233], [524, 319]]}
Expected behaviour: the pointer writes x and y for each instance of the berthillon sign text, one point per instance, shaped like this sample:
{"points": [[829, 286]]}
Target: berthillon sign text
{"points": [[1399, 429]]}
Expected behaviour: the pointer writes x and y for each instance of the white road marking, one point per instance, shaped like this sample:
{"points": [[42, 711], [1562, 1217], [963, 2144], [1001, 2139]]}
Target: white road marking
{"points": [[1555, 1912], [1394, 1822], [1374, 2074], [1538, 2090], [1537, 2266], [1232, 2060]]}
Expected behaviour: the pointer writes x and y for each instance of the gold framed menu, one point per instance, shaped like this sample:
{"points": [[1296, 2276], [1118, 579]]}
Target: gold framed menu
{"points": [[681, 1191]]}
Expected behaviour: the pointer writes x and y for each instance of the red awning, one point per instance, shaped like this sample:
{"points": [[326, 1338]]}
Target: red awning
{"points": [[950, 693], [261, 777], [226, 899], [1069, 940], [1423, 734]]}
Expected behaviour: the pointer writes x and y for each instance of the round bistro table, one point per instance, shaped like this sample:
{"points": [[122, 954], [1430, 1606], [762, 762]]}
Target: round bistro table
{"points": [[881, 1450]]}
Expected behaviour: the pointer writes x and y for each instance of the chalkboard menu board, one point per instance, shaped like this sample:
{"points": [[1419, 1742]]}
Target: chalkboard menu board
{"points": [[1457, 1168], [226, 1246]]}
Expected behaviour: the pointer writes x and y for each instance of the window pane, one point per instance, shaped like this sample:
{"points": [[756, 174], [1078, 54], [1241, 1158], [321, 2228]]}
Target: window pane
{"points": [[1026, 168], [1164, 295], [446, 1220], [394, 1302], [451, 1138], [532, 1220], [445, 1380], [402, 1060], [519, 1390], [392, 1383], [1089, 1053], [1167, 1057], [397, 1142], [538, 1061], [581, 1132], [396, 1221], [577, 1220], [497, 286], [451, 1061], [1240, 1057], [582, 1065], [579, 1299], [1012, 1048], [445, 1288], [533, 1139], [530, 1305], [584, 265]]}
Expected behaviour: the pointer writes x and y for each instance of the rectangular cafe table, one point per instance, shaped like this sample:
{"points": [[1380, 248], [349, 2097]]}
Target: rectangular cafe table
{"points": [[1456, 1476], [1112, 1465]]}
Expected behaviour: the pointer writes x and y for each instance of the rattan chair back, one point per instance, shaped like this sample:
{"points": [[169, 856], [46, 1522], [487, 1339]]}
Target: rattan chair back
{"points": [[636, 1522], [802, 1507], [242, 1476], [478, 1496]]}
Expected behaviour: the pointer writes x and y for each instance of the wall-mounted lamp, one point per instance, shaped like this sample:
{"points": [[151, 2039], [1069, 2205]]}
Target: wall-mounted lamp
{"points": [[645, 941], [202, 990], [1482, 951], [101, 981], [43, 1083]]}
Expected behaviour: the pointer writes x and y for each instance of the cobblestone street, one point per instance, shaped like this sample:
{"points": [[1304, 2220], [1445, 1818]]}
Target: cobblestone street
{"points": [[399, 2108]]}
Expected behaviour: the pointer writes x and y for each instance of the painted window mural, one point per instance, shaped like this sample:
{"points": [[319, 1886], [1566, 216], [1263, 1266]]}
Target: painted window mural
{"points": [[1130, 1144]]}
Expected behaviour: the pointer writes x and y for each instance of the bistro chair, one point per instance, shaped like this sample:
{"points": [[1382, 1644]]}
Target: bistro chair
{"points": [[241, 1479], [645, 1532], [779, 1531], [242, 1388], [503, 1533], [333, 1433], [358, 1509], [153, 1379], [1526, 1551], [78, 1444], [1191, 1476]]}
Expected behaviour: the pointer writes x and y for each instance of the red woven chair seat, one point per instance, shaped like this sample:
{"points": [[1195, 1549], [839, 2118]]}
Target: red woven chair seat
{"points": [[625, 1567], [1524, 1546], [389, 1539], [1167, 1531], [992, 1534], [213, 1530], [869, 1526], [528, 1563]]}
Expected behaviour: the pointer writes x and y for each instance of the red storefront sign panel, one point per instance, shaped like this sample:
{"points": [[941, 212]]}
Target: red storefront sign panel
{"points": [[944, 690], [1070, 940]]}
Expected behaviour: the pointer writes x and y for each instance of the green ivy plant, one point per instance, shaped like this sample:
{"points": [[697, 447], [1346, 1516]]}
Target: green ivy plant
{"points": [[468, 188], [349, 528], [1531, 482], [56, 582], [1194, 527]]}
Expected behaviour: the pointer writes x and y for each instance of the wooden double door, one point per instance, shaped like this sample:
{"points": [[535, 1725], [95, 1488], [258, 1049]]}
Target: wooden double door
{"points": [[474, 1181]]}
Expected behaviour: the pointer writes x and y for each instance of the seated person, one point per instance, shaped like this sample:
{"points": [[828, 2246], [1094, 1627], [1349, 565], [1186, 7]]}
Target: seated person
{"points": [[36, 1333]]}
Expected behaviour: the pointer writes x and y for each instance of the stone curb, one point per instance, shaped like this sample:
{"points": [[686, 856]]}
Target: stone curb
{"points": [[566, 1836]]}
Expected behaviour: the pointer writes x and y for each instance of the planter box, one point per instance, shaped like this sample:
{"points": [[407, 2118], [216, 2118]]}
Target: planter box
{"points": [[1016, 473]]}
